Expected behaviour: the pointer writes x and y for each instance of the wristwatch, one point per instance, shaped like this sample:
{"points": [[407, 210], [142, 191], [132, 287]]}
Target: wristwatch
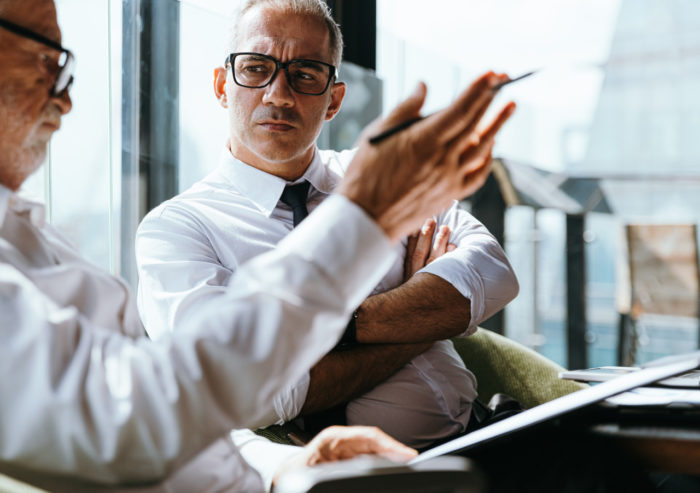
{"points": [[349, 337]]}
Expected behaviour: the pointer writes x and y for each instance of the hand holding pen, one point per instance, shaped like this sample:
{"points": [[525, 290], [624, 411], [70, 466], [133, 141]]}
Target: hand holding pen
{"points": [[428, 164], [401, 126]]}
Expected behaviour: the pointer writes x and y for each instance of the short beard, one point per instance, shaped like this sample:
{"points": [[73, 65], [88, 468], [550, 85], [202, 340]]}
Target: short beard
{"points": [[16, 167]]}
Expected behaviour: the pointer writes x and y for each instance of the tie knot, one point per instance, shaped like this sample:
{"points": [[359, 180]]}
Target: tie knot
{"points": [[295, 197]]}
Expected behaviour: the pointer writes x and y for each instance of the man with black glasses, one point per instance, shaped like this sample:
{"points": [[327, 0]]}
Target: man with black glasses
{"points": [[85, 396], [279, 85]]}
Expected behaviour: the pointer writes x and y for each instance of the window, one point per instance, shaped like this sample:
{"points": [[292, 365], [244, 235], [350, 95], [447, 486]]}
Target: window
{"points": [[615, 99], [80, 182]]}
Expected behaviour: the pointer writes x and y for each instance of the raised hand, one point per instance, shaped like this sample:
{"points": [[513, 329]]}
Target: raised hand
{"points": [[420, 170]]}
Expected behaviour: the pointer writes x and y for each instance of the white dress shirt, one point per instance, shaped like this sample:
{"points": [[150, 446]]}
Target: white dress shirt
{"points": [[188, 247], [83, 394]]}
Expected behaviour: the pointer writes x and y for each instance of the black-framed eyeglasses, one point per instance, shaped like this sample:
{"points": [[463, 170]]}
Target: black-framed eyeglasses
{"points": [[255, 70], [66, 60]]}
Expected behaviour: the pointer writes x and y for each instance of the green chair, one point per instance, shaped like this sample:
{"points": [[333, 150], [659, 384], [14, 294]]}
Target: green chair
{"points": [[503, 365]]}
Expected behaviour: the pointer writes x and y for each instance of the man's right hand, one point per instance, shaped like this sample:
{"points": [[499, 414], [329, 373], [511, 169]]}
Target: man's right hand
{"points": [[419, 171]]}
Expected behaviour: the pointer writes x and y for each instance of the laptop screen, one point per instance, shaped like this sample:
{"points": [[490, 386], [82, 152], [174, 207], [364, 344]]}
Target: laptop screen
{"points": [[667, 367]]}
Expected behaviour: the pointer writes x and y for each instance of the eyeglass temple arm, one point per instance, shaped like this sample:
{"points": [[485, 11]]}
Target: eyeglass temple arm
{"points": [[27, 33]]}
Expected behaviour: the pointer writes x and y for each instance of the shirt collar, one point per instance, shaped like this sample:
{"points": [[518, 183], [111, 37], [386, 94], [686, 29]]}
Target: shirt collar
{"points": [[264, 189], [9, 200], [319, 174]]}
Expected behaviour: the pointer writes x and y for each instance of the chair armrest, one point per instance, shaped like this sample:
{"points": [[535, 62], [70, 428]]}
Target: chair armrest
{"points": [[503, 365]]}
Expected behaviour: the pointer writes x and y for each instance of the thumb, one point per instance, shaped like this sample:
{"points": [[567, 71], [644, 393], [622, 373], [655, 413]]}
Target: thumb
{"points": [[409, 108]]}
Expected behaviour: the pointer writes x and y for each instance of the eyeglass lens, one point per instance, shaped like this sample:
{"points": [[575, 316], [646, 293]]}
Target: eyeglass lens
{"points": [[305, 76], [64, 77]]}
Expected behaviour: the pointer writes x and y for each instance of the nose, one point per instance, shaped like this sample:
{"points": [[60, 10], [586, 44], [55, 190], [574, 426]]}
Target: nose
{"points": [[63, 102], [278, 92]]}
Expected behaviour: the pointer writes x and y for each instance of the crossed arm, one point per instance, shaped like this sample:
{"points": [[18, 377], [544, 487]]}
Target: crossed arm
{"points": [[436, 310]]}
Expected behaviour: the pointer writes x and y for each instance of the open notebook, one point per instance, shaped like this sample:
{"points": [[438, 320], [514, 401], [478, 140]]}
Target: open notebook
{"points": [[653, 372]]}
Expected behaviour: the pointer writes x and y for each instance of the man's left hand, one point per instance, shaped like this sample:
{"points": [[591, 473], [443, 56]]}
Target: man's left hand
{"points": [[421, 249]]}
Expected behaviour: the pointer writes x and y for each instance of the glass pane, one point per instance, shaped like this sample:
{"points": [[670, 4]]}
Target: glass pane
{"points": [[80, 181], [203, 122], [601, 242]]}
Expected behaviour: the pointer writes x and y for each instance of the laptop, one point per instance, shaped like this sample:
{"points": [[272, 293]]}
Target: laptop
{"points": [[655, 371], [435, 468]]}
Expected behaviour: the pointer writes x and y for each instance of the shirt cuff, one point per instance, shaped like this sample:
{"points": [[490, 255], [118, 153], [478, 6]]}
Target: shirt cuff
{"points": [[288, 402], [261, 454], [467, 282]]}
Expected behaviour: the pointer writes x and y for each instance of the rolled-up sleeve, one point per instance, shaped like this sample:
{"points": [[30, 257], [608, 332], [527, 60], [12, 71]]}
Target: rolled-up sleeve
{"points": [[478, 268]]}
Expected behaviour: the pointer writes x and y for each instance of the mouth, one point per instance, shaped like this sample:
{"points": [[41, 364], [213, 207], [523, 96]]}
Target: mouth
{"points": [[276, 125], [51, 125]]}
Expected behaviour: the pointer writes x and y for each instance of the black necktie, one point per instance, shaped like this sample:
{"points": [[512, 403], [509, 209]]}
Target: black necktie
{"points": [[295, 197]]}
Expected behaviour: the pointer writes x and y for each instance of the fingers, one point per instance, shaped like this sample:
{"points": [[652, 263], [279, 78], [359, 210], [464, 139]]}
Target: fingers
{"points": [[408, 109], [385, 446], [464, 113], [475, 178], [417, 256], [440, 244], [489, 133], [346, 442], [410, 250], [436, 160], [423, 249], [474, 150]]}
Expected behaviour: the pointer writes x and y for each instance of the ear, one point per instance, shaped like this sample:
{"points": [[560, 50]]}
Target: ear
{"points": [[220, 74], [337, 95]]}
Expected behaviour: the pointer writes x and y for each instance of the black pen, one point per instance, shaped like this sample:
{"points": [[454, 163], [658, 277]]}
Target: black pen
{"points": [[510, 81], [403, 125]]}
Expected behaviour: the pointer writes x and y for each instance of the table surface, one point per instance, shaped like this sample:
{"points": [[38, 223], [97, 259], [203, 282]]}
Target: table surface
{"points": [[671, 449]]}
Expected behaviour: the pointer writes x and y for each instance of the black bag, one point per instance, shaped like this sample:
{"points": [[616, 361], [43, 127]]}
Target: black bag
{"points": [[501, 406]]}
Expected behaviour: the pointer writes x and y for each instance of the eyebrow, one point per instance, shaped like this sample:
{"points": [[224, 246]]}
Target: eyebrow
{"points": [[256, 56], [307, 62]]}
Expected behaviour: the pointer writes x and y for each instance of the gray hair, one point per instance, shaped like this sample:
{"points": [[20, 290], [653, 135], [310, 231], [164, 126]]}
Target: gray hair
{"points": [[314, 8]]}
